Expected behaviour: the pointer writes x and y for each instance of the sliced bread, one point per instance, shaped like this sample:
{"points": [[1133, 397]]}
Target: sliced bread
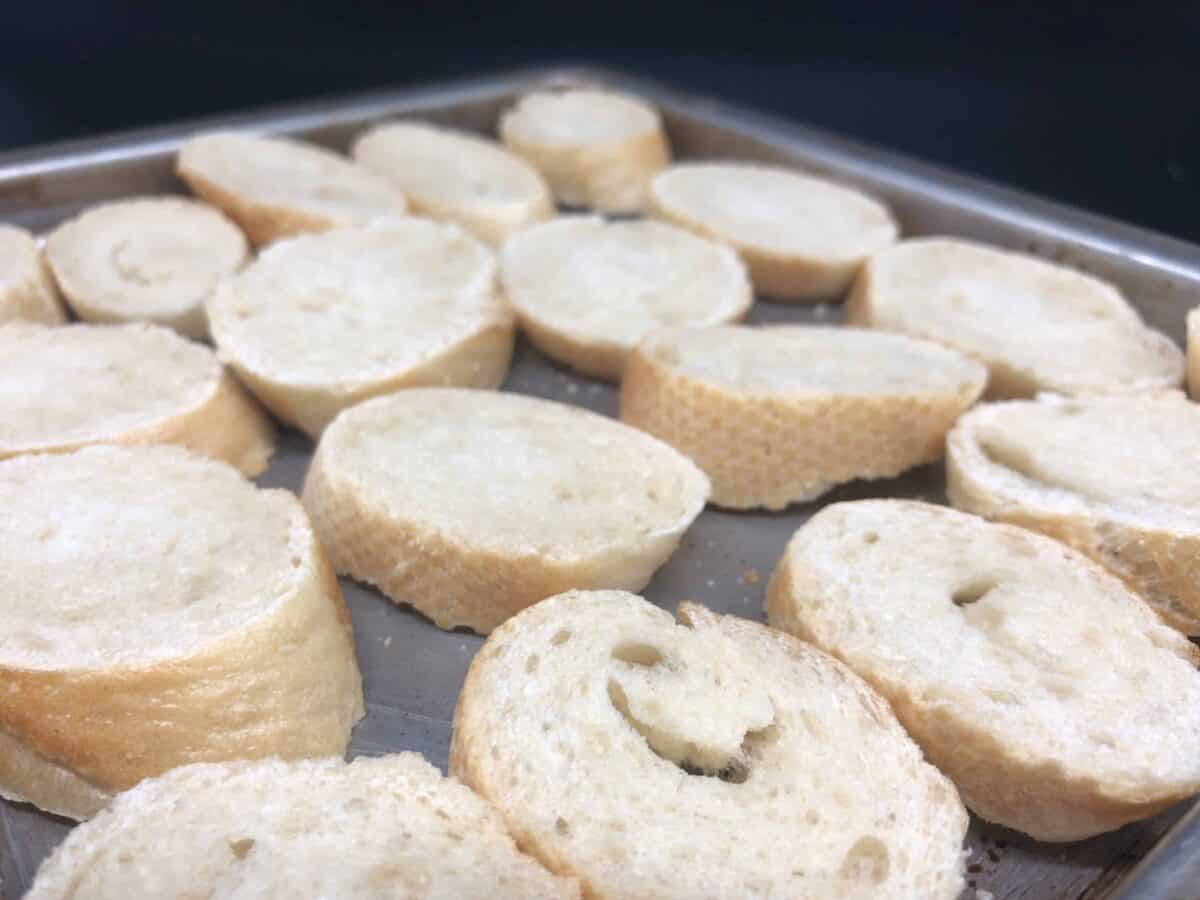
{"points": [[27, 291], [1193, 353]]}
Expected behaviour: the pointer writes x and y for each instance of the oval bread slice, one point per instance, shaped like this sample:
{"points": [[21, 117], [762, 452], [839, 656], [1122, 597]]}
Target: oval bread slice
{"points": [[802, 238], [597, 149], [320, 322], [1193, 353], [1113, 477], [782, 414], [277, 187], [458, 177], [711, 758], [27, 292], [471, 505], [158, 610], [1048, 692], [587, 291], [1035, 325], [373, 828], [64, 388]]}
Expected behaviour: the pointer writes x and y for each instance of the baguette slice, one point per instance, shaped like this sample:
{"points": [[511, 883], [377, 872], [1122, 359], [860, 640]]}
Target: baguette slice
{"points": [[276, 187], [27, 292], [711, 758], [471, 505], [458, 177], [779, 415], [373, 828], [321, 322], [596, 148], [68, 387], [1193, 353], [1048, 692], [158, 610], [1035, 325], [587, 291], [802, 238], [1113, 477]]}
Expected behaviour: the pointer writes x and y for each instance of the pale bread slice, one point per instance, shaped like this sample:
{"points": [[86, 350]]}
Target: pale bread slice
{"points": [[276, 187], [458, 177], [386, 827], [782, 414], [1193, 353], [587, 291], [802, 238], [1113, 477], [471, 505], [598, 149], [158, 610], [712, 758], [27, 291], [1047, 691], [321, 322], [66, 387], [1036, 326]]}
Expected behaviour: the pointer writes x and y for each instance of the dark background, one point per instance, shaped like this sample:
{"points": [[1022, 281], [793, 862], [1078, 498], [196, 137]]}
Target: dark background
{"points": [[1091, 103]]}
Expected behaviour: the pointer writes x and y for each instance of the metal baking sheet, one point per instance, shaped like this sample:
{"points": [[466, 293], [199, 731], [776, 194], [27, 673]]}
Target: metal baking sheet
{"points": [[412, 671]]}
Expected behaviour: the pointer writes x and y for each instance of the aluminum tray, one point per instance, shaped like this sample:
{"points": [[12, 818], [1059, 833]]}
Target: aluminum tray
{"points": [[412, 671]]}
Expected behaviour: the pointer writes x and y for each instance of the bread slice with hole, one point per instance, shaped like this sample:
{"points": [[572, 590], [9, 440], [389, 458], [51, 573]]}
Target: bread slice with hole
{"points": [[1043, 687], [159, 610], [1037, 326], [386, 827], [713, 757], [782, 414], [471, 505], [1113, 477], [27, 290]]}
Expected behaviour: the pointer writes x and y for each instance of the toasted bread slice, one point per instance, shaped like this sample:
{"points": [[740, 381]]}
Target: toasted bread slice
{"points": [[782, 414], [64, 388], [587, 291], [159, 610], [27, 292], [1049, 693], [1035, 325], [712, 758], [471, 505], [320, 322]]}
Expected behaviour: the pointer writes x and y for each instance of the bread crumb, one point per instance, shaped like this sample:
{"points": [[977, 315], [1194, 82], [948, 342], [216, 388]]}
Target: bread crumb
{"points": [[981, 894], [572, 388], [750, 576], [387, 641], [711, 583]]}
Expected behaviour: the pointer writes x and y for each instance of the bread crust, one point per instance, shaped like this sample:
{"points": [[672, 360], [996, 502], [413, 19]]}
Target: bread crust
{"points": [[1193, 354], [28, 293]]}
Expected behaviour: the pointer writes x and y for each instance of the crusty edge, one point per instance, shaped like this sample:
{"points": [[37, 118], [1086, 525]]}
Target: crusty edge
{"points": [[34, 300], [263, 223], [1193, 354]]}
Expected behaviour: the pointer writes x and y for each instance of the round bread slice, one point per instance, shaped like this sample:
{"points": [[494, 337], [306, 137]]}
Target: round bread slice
{"points": [[471, 505], [27, 292], [154, 259], [373, 828], [712, 758], [1035, 325], [158, 610], [596, 148], [1113, 477], [276, 187], [781, 415], [320, 322], [802, 238], [457, 176], [68, 387], [587, 291], [1048, 692]]}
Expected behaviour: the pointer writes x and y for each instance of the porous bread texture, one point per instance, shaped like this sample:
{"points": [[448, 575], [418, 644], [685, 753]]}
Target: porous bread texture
{"points": [[471, 505], [712, 758], [321, 322], [586, 291], [392, 826], [27, 291], [153, 259], [802, 238], [458, 177], [1114, 477], [597, 149], [159, 610], [276, 187], [1047, 691], [1036, 326], [782, 414], [1193, 353]]}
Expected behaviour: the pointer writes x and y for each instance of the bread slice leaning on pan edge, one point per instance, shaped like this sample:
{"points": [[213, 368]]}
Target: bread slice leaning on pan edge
{"points": [[27, 291], [1043, 687], [1193, 353]]}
